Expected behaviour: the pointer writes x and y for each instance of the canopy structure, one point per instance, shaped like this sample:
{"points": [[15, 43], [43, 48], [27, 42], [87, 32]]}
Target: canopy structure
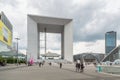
{"points": [[50, 55]]}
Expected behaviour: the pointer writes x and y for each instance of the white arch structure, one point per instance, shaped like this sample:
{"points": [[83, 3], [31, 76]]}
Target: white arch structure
{"points": [[36, 24]]}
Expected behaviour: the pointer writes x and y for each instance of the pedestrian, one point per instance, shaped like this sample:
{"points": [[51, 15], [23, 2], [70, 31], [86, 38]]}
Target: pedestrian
{"points": [[50, 63], [82, 67], [60, 65], [40, 64], [78, 66]]}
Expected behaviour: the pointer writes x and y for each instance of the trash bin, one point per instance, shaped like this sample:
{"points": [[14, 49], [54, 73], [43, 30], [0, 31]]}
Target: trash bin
{"points": [[99, 68]]}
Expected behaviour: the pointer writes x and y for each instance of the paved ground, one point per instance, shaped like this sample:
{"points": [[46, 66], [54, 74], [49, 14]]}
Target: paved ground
{"points": [[11, 66], [53, 73]]}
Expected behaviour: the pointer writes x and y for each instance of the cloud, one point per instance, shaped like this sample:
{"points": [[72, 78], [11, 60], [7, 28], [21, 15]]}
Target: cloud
{"points": [[93, 21], [10, 3], [95, 47], [52, 41], [50, 7], [92, 18], [16, 13]]}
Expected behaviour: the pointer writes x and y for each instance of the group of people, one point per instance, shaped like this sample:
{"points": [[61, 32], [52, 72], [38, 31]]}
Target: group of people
{"points": [[42, 63], [79, 66]]}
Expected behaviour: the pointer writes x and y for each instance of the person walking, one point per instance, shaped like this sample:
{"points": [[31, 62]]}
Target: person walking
{"points": [[78, 66], [50, 63], [82, 67], [60, 65], [40, 64]]}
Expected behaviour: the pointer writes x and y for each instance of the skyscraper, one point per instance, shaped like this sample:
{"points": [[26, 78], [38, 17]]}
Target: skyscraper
{"points": [[110, 41]]}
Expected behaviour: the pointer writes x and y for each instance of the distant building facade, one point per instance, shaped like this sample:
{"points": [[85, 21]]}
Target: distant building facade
{"points": [[110, 41], [113, 55], [89, 57]]}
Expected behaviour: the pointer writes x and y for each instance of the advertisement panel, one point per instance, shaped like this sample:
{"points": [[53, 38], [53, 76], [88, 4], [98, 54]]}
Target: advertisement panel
{"points": [[5, 34]]}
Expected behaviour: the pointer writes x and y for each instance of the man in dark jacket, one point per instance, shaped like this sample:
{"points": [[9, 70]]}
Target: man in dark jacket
{"points": [[60, 65], [82, 67]]}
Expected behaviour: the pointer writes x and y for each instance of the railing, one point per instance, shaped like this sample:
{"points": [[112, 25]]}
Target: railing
{"points": [[109, 69]]}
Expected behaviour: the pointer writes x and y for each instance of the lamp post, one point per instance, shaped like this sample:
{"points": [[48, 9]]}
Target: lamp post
{"points": [[17, 49]]}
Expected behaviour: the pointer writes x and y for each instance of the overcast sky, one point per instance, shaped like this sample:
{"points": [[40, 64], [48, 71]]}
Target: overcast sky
{"points": [[92, 19]]}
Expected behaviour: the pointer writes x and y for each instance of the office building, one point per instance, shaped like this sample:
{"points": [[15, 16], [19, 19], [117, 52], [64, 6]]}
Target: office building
{"points": [[6, 30], [110, 41]]}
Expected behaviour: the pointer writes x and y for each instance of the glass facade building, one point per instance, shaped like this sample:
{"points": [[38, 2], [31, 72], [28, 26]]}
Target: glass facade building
{"points": [[110, 41], [5, 34]]}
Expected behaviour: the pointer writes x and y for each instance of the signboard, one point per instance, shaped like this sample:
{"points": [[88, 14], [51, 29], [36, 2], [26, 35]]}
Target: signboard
{"points": [[5, 34]]}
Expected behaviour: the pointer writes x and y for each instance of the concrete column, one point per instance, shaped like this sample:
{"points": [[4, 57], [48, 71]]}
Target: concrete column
{"points": [[32, 39], [68, 41], [62, 44], [38, 55]]}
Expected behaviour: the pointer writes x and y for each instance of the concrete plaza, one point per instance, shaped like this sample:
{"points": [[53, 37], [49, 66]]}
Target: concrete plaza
{"points": [[54, 73]]}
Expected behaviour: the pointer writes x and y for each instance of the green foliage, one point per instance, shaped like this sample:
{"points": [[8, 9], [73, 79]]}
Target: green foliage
{"points": [[11, 60], [1, 58], [2, 61]]}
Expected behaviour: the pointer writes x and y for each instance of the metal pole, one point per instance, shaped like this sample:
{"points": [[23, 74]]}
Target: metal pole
{"points": [[17, 49], [45, 40], [17, 52]]}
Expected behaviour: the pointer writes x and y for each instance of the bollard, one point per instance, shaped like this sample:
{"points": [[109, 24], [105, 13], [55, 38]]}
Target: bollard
{"points": [[99, 68]]}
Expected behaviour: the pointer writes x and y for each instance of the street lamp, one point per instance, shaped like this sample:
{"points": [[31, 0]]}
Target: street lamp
{"points": [[17, 49]]}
